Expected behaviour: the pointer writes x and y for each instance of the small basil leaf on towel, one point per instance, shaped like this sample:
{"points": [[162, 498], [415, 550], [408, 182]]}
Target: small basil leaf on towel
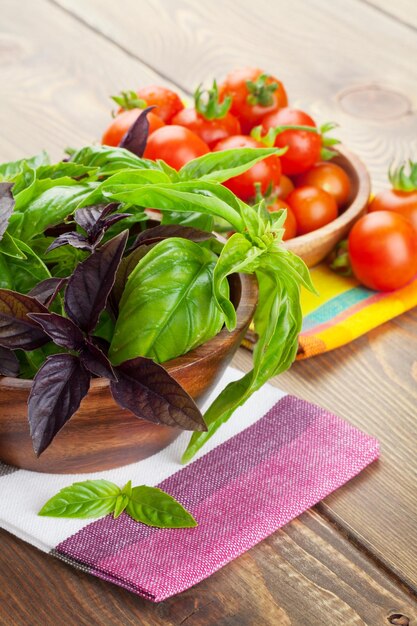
{"points": [[154, 507], [94, 498], [90, 498]]}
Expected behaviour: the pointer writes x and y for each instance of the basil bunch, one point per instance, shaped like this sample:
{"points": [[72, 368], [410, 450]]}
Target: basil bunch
{"points": [[135, 298]]}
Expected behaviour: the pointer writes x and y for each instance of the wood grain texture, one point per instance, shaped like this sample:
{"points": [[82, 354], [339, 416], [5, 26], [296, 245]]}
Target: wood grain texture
{"points": [[304, 575], [372, 383], [330, 56], [56, 76], [403, 10]]}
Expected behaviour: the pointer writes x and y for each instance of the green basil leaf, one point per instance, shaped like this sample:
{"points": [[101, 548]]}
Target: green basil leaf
{"points": [[220, 166], [129, 180], [28, 270], [8, 171], [154, 507], [190, 197], [278, 320], [203, 221], [111, 160], [167, 307], [238, 255], [121, 503], [6, 280], [9, 247], [65, 168], [90, 498], [49, 204]]}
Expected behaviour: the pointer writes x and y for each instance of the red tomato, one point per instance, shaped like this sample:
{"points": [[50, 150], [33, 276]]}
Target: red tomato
{"points": [[329, 177], [175, 145], [290, 223], [284, 188], [167, 102], [254, 95], [119, 126], [402, 202], [210, 131], [383, 250], [312, 207], [266, 172], [303, 146]]}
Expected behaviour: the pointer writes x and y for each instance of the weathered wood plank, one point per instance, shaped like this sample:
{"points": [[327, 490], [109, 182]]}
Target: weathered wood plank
{"points": [[56, 77], [305, 574], [372, 383], [402, 10]]}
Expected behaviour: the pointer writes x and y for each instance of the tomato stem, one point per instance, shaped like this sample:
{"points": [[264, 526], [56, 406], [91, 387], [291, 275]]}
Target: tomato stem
{"points": [[208, 105], [260, 92], [400, 180], [128, 100]]}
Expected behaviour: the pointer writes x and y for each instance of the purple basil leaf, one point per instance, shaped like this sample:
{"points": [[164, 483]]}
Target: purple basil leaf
{"points": [[96, 361], [91, 282], [88, 216], [9, 363], [149, 392], [56, 394], [47, 290], [157, 233], [113, 219], [136, 137], [6, 206], [61, 330], [16, 329], [76, 240]]}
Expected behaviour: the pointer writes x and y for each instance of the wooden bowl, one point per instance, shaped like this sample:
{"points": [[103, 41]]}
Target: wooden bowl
{"points": [[315, 246], [101, 435]]}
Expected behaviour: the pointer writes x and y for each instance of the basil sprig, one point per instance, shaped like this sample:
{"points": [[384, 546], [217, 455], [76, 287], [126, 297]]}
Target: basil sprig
{"points": [[95, 498]]}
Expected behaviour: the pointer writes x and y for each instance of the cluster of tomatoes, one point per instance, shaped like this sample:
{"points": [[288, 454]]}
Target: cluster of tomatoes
{"points": [[249, 109]]}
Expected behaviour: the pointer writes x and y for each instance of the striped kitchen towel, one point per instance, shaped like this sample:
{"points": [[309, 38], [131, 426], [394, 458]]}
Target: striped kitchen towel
{"points": [[343, 311], [346, 310], [274, 459]]}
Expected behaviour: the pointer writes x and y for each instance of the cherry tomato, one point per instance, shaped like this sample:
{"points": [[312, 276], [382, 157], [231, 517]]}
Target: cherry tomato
{"points": [[383, 250], [290, 223], [266, 172], [167, 102], [119, 126], [175, 145], [284, 188], [303, 146], [312, 207], [402, 202], [254, 95], [329, 177], [210, 131]]}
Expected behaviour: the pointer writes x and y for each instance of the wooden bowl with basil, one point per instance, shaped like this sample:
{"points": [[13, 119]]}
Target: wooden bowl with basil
{"points": [[112, 330]]}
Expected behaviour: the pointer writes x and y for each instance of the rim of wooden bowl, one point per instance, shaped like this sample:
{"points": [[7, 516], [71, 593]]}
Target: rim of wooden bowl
{"points": [[247, 300], [352, 210]]}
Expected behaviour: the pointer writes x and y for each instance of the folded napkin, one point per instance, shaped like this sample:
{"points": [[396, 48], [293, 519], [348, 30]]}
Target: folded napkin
{"points": [[343, 311], [274, 459]]}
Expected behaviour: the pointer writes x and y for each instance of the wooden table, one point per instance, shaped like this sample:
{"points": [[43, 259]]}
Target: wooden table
{"points": [[352, 560]]}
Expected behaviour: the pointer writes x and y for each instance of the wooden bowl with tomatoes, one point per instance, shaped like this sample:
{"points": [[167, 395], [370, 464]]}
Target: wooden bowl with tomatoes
{"points": [[314, 246]]}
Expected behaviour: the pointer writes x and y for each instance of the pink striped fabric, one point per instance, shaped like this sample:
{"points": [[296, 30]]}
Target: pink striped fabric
{"points": [[240, 492]]}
